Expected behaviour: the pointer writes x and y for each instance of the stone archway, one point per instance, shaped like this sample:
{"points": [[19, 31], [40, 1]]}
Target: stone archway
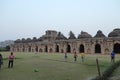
{"points": [[81, 48], [97, 48], [29, 49], [51, 50], [46, 49], [18, 49], [117, 48], [57, 48], [68, 48], [23, 49], [40, 50], [36, 48]]}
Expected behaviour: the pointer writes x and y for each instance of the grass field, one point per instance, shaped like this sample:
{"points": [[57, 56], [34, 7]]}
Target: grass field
{"points": [[44, 66]]}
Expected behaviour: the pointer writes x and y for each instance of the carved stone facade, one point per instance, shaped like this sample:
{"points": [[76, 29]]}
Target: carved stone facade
{"points": [[56, 42]]}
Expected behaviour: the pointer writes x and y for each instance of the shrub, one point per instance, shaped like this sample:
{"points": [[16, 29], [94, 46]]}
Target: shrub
{"points": [[107, 73]]}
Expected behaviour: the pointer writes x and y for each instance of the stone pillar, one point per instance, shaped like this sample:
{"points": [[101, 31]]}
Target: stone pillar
{"points": [[102, 49], [92, 48]]}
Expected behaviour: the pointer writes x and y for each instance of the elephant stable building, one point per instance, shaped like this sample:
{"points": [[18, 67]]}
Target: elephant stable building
{"points": [[56, 42]]}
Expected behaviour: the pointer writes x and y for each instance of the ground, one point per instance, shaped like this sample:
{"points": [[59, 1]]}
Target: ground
{"points": [[45, 66]]}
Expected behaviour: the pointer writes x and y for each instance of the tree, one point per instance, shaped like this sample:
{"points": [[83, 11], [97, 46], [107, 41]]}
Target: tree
{"points": [[7, 48]]}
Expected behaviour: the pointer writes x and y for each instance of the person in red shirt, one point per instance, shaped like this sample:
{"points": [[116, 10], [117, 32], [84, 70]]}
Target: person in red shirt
{"points": [[11, 59]]}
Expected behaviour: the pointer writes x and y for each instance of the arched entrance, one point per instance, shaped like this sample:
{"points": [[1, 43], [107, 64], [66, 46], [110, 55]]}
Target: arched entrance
{"points": [[57, 48], [81, 48], [29, 49], [51, 50], [68, 48], [17, 49], [23, 49], [46, 49], [97, 48], [117, 48], [36, 48], [40, 50]]}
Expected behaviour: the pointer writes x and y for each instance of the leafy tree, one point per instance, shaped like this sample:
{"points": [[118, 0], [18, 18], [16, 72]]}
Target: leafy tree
{"points": [[7, 48]]}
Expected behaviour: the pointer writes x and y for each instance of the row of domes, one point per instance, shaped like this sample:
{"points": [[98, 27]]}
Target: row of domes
{"points": [[114, 33]]}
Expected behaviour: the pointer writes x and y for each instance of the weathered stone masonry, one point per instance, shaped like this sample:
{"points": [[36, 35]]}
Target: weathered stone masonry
{"points": [[56, 42]]}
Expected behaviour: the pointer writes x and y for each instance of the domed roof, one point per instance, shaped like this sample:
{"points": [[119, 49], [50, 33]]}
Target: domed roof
{"points": [[84, 35], [60, 36], [115, 33], [17, 41], [99, 34]]}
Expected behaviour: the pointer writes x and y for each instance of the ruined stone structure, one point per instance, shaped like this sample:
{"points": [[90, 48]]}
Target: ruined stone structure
{"points": [[56, 42]]}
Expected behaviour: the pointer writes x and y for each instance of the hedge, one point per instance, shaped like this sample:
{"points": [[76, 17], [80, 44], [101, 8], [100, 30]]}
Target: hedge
{"points": [[107, 73]]}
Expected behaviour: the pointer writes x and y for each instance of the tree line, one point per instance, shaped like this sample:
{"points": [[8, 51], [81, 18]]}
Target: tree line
{"points": [[7, 48]]}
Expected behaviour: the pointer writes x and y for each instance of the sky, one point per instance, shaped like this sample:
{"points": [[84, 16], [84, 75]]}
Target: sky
{"points": [[31, 18]]}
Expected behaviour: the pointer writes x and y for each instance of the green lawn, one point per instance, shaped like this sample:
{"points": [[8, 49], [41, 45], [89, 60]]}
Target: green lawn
{"points": [[52, 67]]}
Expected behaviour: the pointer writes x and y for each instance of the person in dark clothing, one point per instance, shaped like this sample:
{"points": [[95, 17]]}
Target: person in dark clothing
{"points": [[11, 59], [65, 56], [75, 56], [113, 56]]}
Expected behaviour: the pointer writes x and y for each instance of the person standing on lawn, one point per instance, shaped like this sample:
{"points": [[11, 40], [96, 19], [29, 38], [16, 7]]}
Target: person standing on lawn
{"points": [[83, 56], [11, 59], [113, 56], [75, 56], [65, 55]]}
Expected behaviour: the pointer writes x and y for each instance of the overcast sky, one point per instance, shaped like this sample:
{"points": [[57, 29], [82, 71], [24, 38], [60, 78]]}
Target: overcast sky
{"points": [[29, 18]]}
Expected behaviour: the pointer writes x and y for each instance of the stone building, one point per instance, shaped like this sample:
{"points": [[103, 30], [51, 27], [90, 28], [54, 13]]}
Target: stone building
{"points": [[56, 42]]}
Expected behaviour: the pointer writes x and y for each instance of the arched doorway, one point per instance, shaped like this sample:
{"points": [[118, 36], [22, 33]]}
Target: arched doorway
{"points": [[36, 48], [97, 48], [23, 49], [68, 48], [51, 50], [17, 49], [40, 50], [46, 49], [81, 48], [117, 48], [29, 49], [57, 48]]}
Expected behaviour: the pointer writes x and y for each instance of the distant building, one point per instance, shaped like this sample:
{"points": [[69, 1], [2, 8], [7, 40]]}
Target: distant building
{"points": [[56, 42]]}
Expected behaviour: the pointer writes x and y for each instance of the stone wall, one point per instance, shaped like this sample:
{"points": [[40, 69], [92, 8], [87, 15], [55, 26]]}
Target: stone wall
{"points": [[48, 44]]}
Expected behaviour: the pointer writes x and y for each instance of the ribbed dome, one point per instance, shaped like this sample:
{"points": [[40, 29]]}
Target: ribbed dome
{"points": [[60, 36], [115, 33], [84, 35], [17, 41], [99, 34]]}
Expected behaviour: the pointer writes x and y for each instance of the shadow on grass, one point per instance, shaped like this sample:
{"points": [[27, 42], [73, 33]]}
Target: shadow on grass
{"points": [[7, 58], [83, 63]]}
